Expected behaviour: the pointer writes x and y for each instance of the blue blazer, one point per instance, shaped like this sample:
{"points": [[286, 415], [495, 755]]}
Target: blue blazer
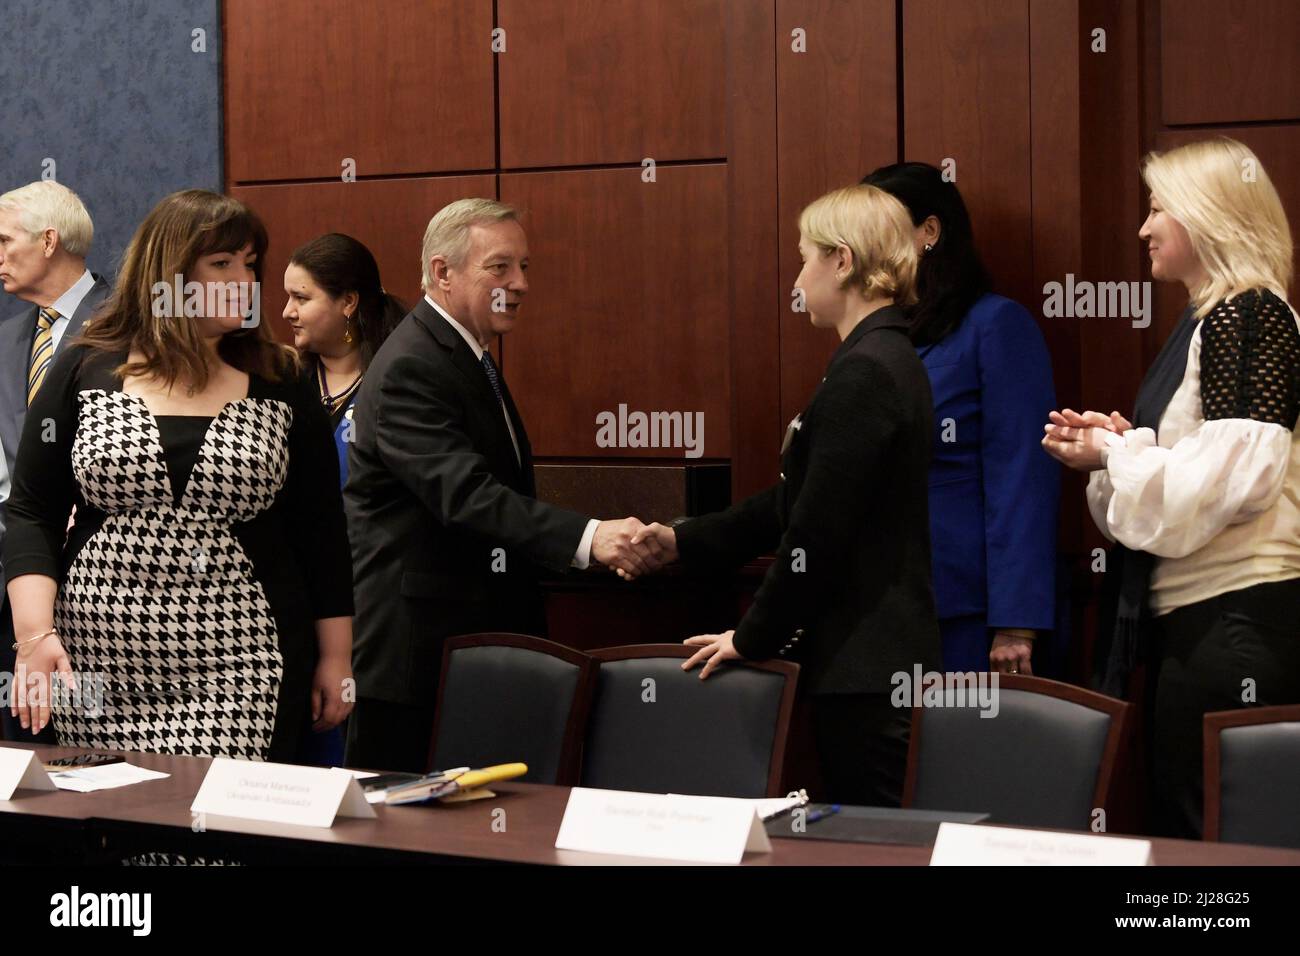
{"points": [[993, 491]]}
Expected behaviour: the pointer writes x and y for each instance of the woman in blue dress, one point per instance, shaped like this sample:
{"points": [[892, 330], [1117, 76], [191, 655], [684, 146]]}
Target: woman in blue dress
{"points": [[340, 315], [993, 499]]}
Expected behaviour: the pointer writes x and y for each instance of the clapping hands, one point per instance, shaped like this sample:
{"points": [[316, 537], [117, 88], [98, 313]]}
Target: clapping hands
{"points": [[1076, 439]]}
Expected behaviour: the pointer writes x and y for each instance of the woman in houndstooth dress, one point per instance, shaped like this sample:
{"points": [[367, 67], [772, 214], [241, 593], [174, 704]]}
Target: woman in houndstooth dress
{"points": [[206, 581]]}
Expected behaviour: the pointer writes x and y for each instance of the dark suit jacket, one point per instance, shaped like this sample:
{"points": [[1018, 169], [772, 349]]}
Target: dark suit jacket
{"points": [[447, 535], [849, 593], [16, 335]]}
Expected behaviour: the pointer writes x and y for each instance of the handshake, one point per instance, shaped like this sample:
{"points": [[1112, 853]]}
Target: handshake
{"points": [[632, 548]]}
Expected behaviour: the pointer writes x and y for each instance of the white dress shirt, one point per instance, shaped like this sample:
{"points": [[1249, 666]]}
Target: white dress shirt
{"points": [[67, 304], [1217, 501], [582, 558]]}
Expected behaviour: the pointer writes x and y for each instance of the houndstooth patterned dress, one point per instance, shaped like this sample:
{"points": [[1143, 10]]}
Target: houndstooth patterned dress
{"points": [[162, 600]]}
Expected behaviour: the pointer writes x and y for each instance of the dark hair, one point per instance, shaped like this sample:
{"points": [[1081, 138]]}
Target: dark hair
{"points": [[179, 230], [340, 264], [950, 277]]}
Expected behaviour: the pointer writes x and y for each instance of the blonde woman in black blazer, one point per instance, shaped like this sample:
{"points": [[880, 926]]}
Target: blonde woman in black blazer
{"points": [[849, 594]]}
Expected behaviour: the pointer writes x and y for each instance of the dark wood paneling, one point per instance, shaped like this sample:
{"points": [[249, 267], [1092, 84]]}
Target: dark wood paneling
{"points": [[389, 216], [594, 82], [756, 295], [628, 304], [1229, 62], [966, 97], [837, 119], [312, 82], [1054, 65]]}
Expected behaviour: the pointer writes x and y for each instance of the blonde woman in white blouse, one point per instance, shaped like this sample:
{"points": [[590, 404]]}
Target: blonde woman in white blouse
{"points": [[1202, 490]]}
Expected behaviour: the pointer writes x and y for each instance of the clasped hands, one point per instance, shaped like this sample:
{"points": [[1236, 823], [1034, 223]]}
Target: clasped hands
{"points": [[1076, 439], [632, 548]]}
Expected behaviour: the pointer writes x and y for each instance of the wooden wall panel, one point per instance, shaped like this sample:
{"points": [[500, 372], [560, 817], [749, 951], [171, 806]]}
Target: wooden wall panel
{"points": [[756, 297], [388, 215], [1229, 62], [586, 82], [837, 119], [627, 305], [966, 97], [1056, 196], [310, 82]]}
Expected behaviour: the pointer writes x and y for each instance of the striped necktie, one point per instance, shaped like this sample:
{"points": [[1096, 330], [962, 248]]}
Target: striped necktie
{"points": [[42, 351]]}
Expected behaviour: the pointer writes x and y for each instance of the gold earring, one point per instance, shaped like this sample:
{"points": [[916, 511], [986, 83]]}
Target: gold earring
{"points": [[347, 329]]}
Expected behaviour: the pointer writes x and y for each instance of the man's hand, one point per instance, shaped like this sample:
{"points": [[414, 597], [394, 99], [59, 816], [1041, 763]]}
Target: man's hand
{"points": [[660, 539], [614, 545]]}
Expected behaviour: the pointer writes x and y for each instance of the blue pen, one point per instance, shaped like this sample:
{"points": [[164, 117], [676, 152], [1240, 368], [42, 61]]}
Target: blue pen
{"points": [[816, 815]]}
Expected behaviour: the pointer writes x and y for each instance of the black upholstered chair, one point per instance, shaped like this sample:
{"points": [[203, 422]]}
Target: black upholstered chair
{"points": [[511, 697], [1046, 759], [656, 728], [1252, 776]]}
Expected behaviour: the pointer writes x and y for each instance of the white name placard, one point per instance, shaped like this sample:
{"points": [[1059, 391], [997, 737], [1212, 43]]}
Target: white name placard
{"points": [[962, 844], [659, 826], [280, 793], [20, 769]]}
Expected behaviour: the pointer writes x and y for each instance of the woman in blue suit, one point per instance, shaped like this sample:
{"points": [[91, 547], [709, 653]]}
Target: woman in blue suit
{"points": [[340, 315], [993, 500]]}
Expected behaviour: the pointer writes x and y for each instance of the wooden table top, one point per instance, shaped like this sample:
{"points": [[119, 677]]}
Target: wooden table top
{"points": [[531, 814]]}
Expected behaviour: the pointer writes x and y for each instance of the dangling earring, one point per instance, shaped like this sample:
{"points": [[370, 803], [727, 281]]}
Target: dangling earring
{"points": [[347, 329], [928, 248]]}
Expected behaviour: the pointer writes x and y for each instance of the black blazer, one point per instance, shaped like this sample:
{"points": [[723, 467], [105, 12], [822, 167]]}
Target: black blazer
{"points": [[447, 534], [849, 594]]}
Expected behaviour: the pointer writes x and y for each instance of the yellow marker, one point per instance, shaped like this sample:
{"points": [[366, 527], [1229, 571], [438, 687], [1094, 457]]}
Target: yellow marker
{"points": [[481, 778]]}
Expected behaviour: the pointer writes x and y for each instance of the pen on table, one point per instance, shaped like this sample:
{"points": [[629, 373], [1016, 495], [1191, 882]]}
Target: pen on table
{"points": [[435, 777], [826, 812]]}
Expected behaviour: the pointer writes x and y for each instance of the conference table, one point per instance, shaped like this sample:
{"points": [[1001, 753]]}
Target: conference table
{"points": [[518, 826]]}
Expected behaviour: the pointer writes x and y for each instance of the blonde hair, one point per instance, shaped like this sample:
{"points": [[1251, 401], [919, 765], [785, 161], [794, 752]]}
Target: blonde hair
{"points": [[1218, 190], [877, 229], [46, 204], [448, 232]]}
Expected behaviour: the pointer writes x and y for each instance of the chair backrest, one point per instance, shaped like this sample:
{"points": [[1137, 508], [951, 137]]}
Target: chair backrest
{"points": [[656, 728], [511, 697], [1252, 776], [1044, 757]]}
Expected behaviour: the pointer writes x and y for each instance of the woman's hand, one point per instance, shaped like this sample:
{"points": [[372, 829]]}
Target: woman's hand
{"points": [[714, 649], [1077, 441], [1114, 422], [29, 698], [1012, 651], [328, 708]]}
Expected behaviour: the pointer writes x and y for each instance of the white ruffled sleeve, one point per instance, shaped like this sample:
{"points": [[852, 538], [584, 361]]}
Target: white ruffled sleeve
{"points": [[1173, 501]]}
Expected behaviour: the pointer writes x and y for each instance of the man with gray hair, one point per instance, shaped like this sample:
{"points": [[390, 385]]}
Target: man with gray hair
{"points": [[45, 233], [447, 534]]}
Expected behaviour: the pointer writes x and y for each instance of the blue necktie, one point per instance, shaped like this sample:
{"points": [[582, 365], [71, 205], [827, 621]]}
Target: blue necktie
{"points": [[490, 367]]}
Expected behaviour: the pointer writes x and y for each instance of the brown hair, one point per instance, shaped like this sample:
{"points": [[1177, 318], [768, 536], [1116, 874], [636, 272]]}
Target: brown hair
{"points": [[178, 231]]}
